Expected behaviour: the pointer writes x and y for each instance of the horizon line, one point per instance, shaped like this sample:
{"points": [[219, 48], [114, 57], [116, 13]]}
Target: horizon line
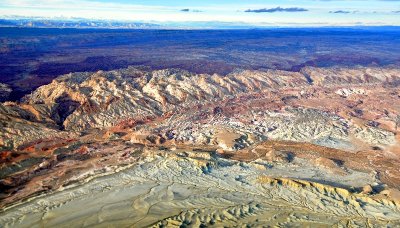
{"points": [[190, 25]]}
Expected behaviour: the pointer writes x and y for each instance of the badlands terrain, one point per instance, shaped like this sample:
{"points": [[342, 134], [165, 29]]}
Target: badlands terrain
{"points": [[137, 147]]}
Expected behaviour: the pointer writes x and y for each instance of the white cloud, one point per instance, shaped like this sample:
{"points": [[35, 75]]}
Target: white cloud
{"points": [[80, 5]]}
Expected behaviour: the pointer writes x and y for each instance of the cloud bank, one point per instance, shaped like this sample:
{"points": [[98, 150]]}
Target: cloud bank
{"points": [[189, 10], [340, 11], [276, 9]]}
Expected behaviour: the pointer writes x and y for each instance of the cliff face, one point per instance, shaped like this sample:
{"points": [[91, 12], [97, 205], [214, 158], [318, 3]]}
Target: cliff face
{"points": [[335, 126]]}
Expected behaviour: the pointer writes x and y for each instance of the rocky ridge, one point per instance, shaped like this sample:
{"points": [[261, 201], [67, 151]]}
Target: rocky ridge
{"points": [[82, 101]]}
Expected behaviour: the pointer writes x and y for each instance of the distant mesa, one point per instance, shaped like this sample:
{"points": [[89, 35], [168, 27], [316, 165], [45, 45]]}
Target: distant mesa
{"points": [[276, 9]]}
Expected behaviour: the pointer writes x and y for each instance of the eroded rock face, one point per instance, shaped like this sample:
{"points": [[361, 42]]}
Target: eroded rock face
{"points": [[82, 101], [313, 132], [106, 97]]}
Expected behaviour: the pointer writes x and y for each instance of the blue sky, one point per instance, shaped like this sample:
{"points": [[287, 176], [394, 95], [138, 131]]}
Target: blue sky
{"points": [[260, 12]]}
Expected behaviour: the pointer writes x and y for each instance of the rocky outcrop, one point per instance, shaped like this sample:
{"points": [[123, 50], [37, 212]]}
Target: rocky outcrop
{"points": [[83, 101], [80, 101], [103, 98], [360, 75]]}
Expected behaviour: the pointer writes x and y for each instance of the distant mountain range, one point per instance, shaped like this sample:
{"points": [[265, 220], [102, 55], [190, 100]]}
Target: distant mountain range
{"points": [[60, 22], [72, 23]]}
